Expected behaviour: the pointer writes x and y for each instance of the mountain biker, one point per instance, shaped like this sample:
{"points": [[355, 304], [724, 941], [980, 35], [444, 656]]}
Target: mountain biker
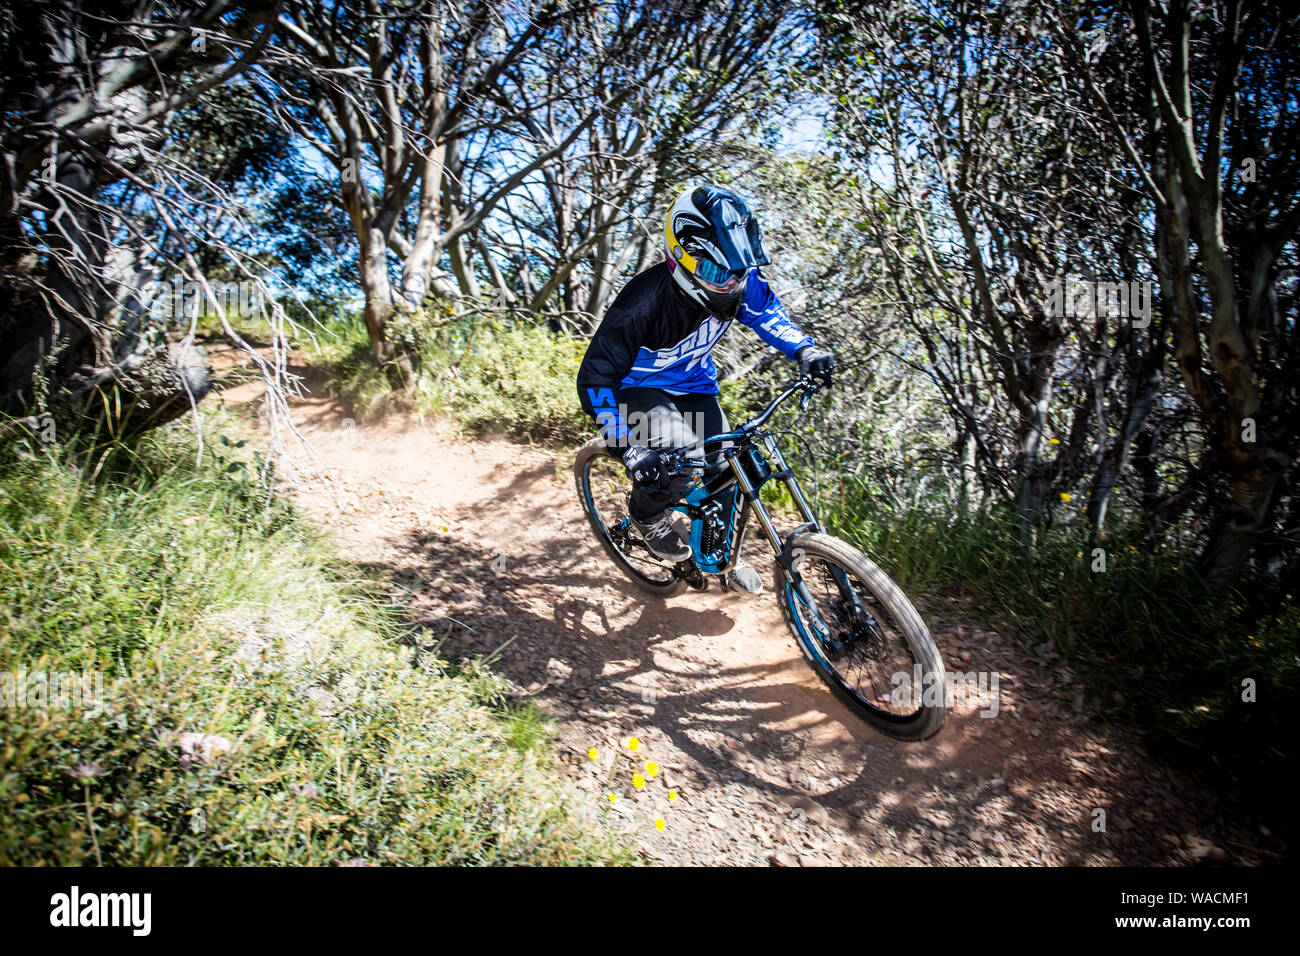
{"points": [[648, 377]]}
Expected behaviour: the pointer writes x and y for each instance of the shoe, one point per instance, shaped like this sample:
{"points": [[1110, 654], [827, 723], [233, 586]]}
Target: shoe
{"points": [[743, 577], [662, 539]]}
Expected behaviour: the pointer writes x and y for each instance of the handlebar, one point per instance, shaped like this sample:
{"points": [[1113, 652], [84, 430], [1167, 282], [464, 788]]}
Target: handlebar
{"points": [[674, 460]]}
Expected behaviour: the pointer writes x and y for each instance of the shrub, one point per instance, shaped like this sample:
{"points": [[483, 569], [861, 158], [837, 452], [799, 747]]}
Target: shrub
{"points": [[258, 707]]}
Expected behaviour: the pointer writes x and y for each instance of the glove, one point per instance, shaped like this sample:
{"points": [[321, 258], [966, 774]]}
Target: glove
{"points": [[816, 362], [644, 466]]}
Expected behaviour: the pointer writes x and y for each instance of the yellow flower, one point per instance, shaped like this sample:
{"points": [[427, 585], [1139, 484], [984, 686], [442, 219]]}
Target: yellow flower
{"points": [[593, 753], [659, 824], [652, 769], [1079, 555], [1054, 441], [672, 794], [638, 781], [1065, 496], [633, 744], [613, 797]]}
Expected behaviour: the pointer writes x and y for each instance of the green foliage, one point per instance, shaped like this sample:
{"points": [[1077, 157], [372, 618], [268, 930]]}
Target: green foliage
{"points": [[1153, 649], [210, 611], [347, 360], [516, 379], [486, 374]]}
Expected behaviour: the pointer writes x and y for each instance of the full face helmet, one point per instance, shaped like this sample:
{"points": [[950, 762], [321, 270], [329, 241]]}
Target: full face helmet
{"points": [[713, 241]]}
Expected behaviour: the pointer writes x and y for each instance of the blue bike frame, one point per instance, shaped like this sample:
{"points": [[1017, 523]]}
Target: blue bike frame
{"points": [[750, 459]]}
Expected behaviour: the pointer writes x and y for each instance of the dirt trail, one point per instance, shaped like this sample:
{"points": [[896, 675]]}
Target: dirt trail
{"points": [[489, 550]]}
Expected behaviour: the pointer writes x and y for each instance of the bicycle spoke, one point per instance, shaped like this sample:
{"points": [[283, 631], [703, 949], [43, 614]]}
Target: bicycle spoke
{"points": [[865, 647], [609, 490]]}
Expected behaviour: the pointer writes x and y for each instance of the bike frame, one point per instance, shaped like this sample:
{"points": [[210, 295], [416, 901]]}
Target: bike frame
{"points": [[749, 470], [736, 485]]}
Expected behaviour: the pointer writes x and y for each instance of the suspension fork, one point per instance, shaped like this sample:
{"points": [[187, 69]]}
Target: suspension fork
{"points": [[848, 593], [782, 549], [791, 483]]}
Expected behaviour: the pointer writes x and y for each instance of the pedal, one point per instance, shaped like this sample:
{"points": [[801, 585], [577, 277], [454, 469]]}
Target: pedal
{"points": [[689, 572], [743, 578]]}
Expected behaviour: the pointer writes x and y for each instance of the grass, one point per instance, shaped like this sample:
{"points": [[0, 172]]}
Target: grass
{"points": [[316, 732], [1156, 650], [489, 376]]}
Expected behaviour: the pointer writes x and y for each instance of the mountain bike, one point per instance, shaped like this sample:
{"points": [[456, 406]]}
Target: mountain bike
{"points": [[854, 626]]}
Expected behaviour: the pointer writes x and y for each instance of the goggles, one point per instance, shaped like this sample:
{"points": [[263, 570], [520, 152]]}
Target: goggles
{"points": [[717, 279]]}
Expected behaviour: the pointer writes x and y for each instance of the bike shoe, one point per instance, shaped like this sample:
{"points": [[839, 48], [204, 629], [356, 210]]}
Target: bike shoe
{"points": [[662, 539], [743, 577]]}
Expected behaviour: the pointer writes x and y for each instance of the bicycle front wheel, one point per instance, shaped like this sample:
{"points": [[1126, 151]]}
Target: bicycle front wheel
{"points": [[865, 641]]}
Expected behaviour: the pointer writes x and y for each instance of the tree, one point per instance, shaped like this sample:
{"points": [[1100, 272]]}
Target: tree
{"points": [[1216, 142], [92, 203]]}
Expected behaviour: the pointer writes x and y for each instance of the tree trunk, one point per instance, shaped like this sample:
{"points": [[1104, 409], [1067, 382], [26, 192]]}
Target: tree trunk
{"points": [[1237, 526]]}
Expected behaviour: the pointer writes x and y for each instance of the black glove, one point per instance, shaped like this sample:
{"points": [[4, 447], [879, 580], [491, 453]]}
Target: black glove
{"points": [[644, 466], [816, 362]]}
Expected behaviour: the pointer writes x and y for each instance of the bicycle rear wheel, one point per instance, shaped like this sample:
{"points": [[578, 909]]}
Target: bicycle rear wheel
{"points": [[603, 487], [875, 653]]}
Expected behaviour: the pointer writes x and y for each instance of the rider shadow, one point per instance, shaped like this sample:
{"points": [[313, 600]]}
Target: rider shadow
{"points": [[587, 649], [495, 618]]}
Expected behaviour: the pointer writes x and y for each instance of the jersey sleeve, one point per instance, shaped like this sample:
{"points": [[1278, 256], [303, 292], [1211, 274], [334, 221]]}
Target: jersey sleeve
{"points": [[607, 361], [763, 312]]}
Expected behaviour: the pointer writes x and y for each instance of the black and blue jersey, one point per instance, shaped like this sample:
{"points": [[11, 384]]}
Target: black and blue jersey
{"points": [[653, 336]]}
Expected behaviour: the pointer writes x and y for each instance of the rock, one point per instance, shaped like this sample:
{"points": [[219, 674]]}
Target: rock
{"points": [[784, 858], [203, 747], [1208, 853], [813, 811]]}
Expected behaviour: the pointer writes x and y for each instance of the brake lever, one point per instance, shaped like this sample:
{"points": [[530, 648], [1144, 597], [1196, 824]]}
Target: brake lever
{"points": [[811, 387]]}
